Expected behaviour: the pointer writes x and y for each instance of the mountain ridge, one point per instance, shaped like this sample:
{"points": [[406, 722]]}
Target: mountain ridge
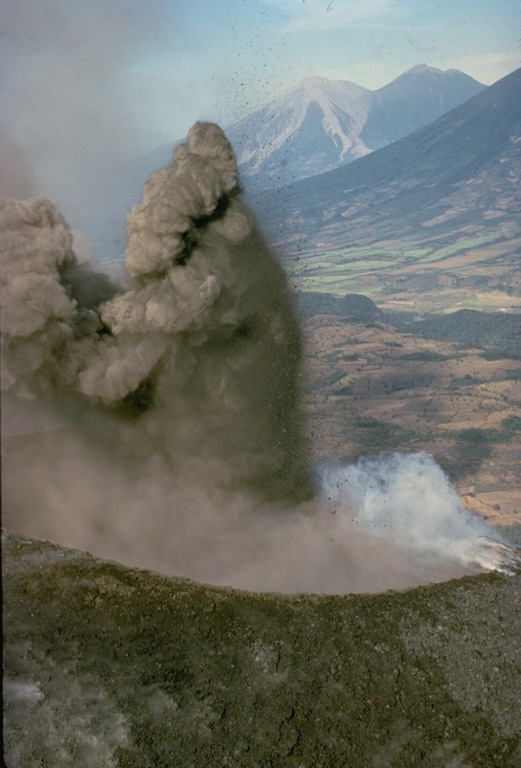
{"points": [[337, 98], [321, 124], [431, 92], [309, 153], [410, 184]]}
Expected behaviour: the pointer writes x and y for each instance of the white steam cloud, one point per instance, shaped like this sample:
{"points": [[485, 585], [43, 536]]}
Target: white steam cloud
{"points": [[180, 447]]}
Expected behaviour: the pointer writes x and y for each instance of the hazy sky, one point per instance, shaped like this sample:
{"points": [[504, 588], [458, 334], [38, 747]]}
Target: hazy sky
{"points": [[87, 83]]}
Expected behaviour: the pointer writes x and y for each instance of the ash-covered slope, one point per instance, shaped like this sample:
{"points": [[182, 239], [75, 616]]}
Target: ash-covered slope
{"points": [[107, 665], [462, 169], [310, 129]]}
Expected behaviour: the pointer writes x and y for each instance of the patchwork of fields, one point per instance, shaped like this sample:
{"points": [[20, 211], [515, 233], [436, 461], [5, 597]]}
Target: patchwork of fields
{"points": [[474, 272]]}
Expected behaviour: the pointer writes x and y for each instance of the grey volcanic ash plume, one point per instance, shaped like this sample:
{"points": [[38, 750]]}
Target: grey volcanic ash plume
{"points": [[202, 349], [180, 444]]}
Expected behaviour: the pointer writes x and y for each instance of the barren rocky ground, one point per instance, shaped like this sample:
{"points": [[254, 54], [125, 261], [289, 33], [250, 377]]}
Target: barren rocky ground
{"points": [[111, 666]]}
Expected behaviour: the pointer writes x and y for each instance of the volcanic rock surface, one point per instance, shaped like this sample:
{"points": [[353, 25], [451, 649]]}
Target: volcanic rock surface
{"points": [[113, 666]]}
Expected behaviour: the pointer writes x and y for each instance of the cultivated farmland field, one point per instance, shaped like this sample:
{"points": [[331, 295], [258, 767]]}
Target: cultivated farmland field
{"points": [[475, 272]]}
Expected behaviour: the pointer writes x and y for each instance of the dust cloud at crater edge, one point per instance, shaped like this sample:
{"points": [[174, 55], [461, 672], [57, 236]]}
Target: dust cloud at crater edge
{"points": [[180, 446]]}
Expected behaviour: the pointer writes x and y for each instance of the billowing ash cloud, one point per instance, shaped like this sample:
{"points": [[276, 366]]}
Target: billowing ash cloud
{"points": [[202, 349], [180, 442]]}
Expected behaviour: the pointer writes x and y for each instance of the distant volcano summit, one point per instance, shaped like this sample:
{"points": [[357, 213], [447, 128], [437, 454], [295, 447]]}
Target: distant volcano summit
{"points": [[461, 171], [321, 124]]}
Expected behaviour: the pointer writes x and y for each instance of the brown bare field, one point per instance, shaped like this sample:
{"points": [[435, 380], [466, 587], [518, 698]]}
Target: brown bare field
{"points": [[370, 388]]}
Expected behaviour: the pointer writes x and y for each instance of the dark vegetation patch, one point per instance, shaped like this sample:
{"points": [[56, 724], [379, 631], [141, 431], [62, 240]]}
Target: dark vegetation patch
{"points": [[477, 435], [496, 333], [338, 356], [425, 355], [399, 385], [494, 354], [344, 391], [327, 381], [381, 435], [352, 305], [514, 374], [463, 381]]}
